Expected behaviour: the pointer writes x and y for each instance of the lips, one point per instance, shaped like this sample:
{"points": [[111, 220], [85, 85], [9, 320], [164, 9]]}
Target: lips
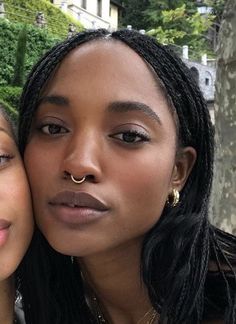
{"points": [[74, 209], [78, 200], [4, 224]]}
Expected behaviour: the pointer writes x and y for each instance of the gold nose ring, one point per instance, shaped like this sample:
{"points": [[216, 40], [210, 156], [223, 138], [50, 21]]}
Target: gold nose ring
{"points": [[77, 180]]}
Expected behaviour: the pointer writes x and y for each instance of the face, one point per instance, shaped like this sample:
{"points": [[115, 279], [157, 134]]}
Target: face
{"points": [[16, 224], [102, 115]]}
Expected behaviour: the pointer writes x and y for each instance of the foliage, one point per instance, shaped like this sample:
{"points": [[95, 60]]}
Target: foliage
{"points": [[25, 11], [133, 14], [179, 27], [11, 95], [217, 8], [39, 41], [155, 8], [20, 58], [13, 114]]}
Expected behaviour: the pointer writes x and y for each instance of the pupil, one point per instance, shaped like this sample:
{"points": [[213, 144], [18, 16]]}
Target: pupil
{"points": [[53, 129], [129, 137]]}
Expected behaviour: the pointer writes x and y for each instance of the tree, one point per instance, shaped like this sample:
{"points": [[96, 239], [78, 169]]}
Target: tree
{"points": [[181, 26], [155, 8], [19, 72], [133, 14], [223, 199]]}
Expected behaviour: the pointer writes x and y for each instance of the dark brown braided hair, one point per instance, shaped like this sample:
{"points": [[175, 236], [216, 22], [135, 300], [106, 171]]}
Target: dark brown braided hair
{"points": [[178, 250]]}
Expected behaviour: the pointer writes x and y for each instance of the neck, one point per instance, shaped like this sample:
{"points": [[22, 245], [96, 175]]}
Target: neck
{"points": [[116, 281], [7, 294]]}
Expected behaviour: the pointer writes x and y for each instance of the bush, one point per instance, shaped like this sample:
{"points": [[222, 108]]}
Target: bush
{"points": [[20, 59], [11, 95], [38, 42], [25, 11]]}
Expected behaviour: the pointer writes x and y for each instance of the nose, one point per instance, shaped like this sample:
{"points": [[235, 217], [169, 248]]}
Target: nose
{"points": [[82, 157]]}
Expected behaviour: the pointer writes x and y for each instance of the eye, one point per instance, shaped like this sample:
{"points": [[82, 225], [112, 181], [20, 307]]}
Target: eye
{"points": [[5, 158], [53, 129], [131, 137]]}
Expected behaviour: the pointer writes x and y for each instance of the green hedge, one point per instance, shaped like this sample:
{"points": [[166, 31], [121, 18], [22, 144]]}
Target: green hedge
{"points": [[38, 42], [11, 95], [25, 11]]}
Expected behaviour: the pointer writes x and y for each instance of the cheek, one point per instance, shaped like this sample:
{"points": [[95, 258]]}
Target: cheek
{"points": [[39, 166], [145, 183], [16, 205], [18, 187]]}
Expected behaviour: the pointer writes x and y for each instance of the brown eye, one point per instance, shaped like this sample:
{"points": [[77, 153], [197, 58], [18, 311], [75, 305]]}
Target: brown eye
{"points": [[52, 129], [130, 137]]}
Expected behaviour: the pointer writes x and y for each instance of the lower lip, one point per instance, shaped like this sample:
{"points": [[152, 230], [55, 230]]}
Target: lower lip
{"points": [[76, 216], [3, 235]]}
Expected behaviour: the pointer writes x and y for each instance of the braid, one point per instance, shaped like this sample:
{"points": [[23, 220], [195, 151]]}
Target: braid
{"points": [[176, 251]]}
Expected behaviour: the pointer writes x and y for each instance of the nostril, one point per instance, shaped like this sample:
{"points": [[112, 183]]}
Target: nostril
{"points": [[66, 175], [90, 177]]}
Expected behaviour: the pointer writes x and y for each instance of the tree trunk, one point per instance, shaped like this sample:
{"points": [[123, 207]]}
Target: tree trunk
{"points": [[224, 190]]}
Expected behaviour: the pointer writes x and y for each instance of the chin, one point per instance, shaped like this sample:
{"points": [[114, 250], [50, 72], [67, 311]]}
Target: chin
{"points": [[7, 270]]}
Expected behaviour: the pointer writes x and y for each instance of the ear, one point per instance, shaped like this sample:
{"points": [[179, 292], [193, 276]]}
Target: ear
{"points": [[185, 159]]}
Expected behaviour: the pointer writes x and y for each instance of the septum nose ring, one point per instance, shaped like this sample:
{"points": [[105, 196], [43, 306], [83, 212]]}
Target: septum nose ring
{"points": [[77, 180]]}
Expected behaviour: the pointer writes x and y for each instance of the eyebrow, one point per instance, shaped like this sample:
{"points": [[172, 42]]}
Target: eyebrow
{"points": [[126, 106], [54, 100], [116, 106]]}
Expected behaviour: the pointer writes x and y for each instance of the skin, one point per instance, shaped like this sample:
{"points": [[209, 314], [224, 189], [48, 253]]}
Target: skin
{"points": [[133, 179], [15, 206]]}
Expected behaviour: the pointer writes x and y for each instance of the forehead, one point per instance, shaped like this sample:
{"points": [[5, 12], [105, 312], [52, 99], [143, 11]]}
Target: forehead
{"points": [[109, 60]]}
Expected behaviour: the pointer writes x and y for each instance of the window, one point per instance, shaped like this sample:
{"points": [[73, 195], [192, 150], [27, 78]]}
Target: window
{"points": [[99, 8], [84, 4], [207, 81], [195, 74]]}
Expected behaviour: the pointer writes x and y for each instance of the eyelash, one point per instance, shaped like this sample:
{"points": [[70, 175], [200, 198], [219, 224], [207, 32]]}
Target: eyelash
{"points": [[142, 137], [7, 157]]}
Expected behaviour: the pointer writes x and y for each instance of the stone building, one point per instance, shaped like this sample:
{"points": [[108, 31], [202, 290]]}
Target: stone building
{"points": [[93, 14], [204, 73]]}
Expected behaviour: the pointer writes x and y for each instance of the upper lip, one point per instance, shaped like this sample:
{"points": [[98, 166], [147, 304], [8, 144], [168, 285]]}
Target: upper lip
{"points": [[77, 199], [4, 224]]}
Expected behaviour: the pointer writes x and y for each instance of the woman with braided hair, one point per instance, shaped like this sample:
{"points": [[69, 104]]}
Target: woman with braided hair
{"points": [[118, 146]]}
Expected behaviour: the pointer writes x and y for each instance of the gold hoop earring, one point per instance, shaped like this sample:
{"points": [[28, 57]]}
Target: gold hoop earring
{"points": [[77, 181], [173, 198]]}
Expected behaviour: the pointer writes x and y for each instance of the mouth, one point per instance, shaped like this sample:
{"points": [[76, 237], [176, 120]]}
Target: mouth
{"points": [[77, 208], [73, 199], [4, 224]]}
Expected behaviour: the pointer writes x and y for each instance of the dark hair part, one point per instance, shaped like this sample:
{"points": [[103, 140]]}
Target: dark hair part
{"points": [[177, 251]]}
